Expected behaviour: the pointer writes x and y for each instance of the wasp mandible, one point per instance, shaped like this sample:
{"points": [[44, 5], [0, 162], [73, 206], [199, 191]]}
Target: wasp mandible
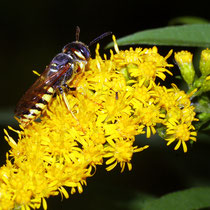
{"points": [[58, 74]]}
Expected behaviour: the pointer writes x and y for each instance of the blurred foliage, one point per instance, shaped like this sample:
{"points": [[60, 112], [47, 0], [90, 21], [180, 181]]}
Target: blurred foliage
{"points": [[187, 20]]}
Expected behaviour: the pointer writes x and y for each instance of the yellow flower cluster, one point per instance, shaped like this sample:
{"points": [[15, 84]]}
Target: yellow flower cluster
{"points": [[115, 100]]}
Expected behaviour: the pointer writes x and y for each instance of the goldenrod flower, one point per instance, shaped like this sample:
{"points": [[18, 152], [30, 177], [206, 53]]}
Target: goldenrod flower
{"points": [[180, 132], [184, 61], [121, 151], [205, 62], [115, 100]]}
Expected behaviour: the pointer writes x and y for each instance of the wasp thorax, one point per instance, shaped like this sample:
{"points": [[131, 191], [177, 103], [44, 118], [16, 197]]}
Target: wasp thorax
{"points": [[60, 60], [77, 48]]}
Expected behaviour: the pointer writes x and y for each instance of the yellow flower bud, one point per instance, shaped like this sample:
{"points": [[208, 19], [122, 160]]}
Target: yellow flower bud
{"points": [[184, 61], [205, 62], [206, 85]]}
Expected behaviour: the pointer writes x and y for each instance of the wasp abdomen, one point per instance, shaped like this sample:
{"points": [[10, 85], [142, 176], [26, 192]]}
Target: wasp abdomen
{"points": [[36, 109]]}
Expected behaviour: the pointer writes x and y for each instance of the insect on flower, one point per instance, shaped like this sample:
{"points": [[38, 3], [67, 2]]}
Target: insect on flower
{"points": [[55, 79]]}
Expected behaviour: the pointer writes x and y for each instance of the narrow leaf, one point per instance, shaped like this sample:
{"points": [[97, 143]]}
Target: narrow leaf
{"points": [[188, 20], [195, 198], [194, 35]]}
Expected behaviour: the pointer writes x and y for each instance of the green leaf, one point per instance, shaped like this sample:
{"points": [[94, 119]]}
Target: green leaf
{"points": [[195, 35], [203, 105], [7, 116], [138, 201], [194, 198], [188, 20]]}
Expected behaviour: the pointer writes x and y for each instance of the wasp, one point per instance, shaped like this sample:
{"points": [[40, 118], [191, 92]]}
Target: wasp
{"points": [[55, 79]]}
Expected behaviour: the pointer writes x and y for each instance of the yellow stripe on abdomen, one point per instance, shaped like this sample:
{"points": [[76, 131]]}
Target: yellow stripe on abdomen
{"points": [[46, 97], [37, 109]]}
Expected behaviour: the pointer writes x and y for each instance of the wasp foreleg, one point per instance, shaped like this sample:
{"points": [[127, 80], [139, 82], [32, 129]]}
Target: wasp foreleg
{"points": [[60, 90], [67, 103], [69, 88]]}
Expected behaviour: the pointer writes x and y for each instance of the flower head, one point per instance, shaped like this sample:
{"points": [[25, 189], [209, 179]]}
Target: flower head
{"points": [[115, 100], [184, 61], [121, 151], [179, 132], [205, 62]]}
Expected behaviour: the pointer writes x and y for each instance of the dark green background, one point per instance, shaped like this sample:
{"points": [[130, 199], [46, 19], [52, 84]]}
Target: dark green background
{"points": [[32, 32]]}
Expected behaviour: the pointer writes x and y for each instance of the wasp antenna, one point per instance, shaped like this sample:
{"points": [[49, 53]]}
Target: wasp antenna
{"points": [[77, 33], [100, 37]]}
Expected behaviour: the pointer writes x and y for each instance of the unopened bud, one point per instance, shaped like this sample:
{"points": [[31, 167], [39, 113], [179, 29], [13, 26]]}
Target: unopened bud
{"points": [[184, 61], [206, 85], [205, 62]]}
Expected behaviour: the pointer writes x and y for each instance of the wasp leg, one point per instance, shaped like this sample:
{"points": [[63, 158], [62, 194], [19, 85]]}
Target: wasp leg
{"points": [[60, 89], [116, 95], [68, 106], [69, 109], [69, 88]]}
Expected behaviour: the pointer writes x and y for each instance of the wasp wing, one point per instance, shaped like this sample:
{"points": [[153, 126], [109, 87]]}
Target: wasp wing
{"points": [[40, 87]]}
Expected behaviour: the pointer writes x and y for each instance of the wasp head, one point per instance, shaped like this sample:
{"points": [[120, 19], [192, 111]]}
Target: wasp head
{"points": [[79, 49]]}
